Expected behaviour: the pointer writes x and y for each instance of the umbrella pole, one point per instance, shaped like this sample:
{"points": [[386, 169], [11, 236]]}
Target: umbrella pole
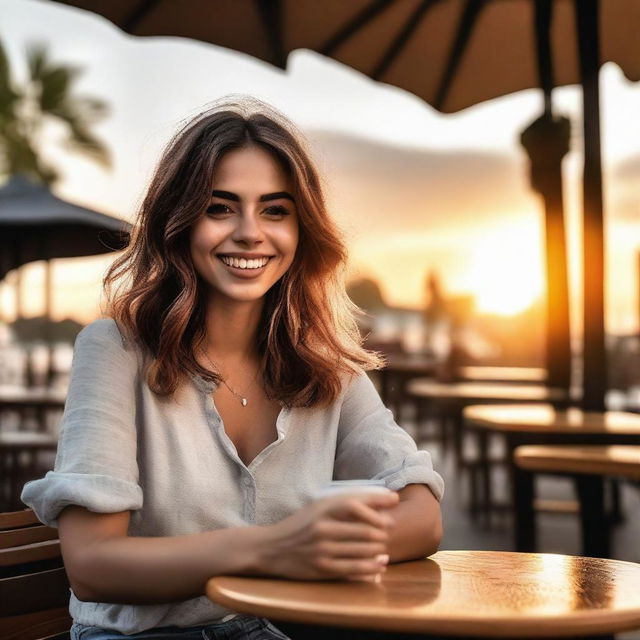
{"points": [[50, 374], [594, 382], [18, 293], [546, 141]]}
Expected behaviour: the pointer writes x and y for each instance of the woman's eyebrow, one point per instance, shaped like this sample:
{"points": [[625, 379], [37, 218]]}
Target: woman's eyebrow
{"points": [[228, 195]]}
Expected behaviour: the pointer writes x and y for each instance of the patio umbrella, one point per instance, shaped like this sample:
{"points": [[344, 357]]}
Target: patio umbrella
{"points": [[36, 225], [452, 54]]}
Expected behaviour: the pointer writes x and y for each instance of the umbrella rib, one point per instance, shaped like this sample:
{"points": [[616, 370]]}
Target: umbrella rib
{"points": [[362, 18], [469, 16], [402, 38], [138, 14], [271, 13], [543, 14]]}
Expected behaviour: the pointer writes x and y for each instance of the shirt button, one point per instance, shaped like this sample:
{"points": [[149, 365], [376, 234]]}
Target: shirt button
{"points": [[246, 481]]}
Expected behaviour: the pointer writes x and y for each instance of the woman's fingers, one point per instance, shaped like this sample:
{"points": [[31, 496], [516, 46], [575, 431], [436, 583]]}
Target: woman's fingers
{"points": [[355, 531], [365, 508], [354, 549], [354, 566]]}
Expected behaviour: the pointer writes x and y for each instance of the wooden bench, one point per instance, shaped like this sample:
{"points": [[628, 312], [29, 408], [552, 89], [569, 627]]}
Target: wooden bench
{"points": [[34, 589], [587, 464]]}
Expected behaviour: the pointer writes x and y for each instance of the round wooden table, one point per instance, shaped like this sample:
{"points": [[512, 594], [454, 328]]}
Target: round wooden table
{"points": [[475, 392], [395, 375], [454, 397], [457, 593], [613, 460], [544, 424], [503, 374]]}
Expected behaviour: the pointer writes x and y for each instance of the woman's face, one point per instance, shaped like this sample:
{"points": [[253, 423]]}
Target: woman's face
{"points": [[247, 238]]}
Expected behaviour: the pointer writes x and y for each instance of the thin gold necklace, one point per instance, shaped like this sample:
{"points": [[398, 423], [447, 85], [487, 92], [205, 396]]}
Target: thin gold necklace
{"points": [[243, 398]]}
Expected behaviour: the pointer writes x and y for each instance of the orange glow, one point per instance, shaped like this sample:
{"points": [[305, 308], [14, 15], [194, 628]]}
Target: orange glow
{"points": [[505, 273]]}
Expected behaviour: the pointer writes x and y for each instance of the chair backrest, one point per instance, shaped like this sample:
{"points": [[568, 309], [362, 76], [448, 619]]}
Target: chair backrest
{"points": [[34, 588]]}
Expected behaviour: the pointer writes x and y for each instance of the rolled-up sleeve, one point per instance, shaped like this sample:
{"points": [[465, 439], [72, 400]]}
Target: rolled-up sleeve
{"points": [[372, 446], [96, 464]]}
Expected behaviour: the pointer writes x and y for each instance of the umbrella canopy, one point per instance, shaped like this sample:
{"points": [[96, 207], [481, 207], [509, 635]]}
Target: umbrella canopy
{"points": [[36, 225], [452, 54]]}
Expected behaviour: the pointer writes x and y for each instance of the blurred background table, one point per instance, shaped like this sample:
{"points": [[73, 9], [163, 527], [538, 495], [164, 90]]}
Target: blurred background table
{"points": [[448, 400], [35, 403], [503, 374], [29, 419], [19, 463], [398, 371], [536, 425], [453, 593]]}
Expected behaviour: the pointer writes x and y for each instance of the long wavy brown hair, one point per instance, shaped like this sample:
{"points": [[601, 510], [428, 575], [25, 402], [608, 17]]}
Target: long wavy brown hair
{"points": [[308, 337]]}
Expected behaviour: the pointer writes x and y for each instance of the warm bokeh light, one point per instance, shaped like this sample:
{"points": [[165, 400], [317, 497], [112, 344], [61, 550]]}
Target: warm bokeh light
{"points": [[505, 274]]}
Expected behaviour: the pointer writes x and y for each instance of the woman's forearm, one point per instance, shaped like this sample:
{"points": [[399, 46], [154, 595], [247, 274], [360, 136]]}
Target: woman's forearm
{"points": [[418, 528], [136, 570], [153, 570]]}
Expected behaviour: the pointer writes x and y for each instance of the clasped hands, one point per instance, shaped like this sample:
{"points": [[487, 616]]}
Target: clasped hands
{"points": [[337, 537]]}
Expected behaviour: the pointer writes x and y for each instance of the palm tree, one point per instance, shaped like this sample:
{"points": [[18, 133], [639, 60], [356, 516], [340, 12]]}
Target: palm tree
{"points": [[46, 97], [26, 110]]}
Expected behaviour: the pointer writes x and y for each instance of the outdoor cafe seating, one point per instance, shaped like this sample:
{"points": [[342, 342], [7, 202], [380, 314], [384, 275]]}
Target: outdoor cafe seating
{"points": [[454, 594], [588, 466], [479, 594], [34, 588], [28, 437], [572, 428]]}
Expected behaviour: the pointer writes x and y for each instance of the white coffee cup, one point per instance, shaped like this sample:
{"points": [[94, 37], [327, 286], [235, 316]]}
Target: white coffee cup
{"points": [[351, 486], [338, 487]]}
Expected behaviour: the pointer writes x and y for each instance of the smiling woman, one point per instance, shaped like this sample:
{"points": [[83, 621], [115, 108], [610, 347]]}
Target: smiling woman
{"points": [[224, 390]]}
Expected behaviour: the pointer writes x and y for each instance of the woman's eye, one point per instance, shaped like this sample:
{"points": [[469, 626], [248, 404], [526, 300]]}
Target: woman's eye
{"points": [[219, 208], [277, 210]]}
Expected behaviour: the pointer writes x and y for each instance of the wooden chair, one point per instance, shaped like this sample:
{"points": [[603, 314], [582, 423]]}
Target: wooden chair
{"points": [[34, 589], [589, 465]]}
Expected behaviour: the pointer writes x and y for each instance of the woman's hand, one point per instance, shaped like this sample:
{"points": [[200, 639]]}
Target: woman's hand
{"points": [[334, 537]]}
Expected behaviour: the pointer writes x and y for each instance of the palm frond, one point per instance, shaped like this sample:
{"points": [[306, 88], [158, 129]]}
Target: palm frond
{"points": [[81, 139], [20, 156], [48, 95], [8, 95], [79, 114]]}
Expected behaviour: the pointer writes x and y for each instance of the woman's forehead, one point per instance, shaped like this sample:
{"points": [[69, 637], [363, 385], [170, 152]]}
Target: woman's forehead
{"points": [[251, 173], [249, 160]]}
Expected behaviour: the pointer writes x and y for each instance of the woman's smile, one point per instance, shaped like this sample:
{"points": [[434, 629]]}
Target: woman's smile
{"points": [[245, 267]]}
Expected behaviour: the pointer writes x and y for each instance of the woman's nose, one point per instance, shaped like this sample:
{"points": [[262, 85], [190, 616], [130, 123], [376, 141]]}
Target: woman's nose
{"points": [[248, 229]]}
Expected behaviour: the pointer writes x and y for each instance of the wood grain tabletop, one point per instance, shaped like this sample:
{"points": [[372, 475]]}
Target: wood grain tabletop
{"points": [[473, 593]]}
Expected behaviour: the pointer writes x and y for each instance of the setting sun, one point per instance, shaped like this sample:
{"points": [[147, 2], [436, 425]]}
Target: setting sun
{"points": [[505, 270]]}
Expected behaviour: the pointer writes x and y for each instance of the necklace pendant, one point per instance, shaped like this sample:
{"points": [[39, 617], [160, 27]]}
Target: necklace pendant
{"points": [[244, 402]]}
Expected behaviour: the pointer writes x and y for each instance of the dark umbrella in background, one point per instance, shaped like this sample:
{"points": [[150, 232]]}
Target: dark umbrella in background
{"points": [[452, 54], [36, 225]]}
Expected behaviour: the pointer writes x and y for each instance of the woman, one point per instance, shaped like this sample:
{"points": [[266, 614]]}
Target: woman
{"points": [[225, 386]]}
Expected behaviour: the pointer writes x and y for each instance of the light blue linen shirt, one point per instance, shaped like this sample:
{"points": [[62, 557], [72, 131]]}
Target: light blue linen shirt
{"points": [[173, 466]]}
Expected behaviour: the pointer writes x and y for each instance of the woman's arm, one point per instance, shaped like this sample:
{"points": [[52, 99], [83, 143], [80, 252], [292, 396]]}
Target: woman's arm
{"points": [[418, 529], [105, 565], [331, 538]]}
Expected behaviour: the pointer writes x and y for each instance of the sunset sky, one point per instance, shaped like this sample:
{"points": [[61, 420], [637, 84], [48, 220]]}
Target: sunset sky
{"points": [[414, 190]]}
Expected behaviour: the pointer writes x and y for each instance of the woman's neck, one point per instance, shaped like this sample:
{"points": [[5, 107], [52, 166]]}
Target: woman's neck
{"points": [[231, 331]]}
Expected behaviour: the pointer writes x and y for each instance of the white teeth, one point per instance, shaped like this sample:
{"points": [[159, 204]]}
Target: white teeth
{"points": [[243, 263]]}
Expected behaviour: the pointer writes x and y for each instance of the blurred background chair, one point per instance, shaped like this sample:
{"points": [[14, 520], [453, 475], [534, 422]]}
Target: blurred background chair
{"points": [[34, 588], [589, 466]]}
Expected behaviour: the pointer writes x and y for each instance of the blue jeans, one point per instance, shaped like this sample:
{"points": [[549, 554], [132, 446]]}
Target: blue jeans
{"points": [[239, 628]]}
